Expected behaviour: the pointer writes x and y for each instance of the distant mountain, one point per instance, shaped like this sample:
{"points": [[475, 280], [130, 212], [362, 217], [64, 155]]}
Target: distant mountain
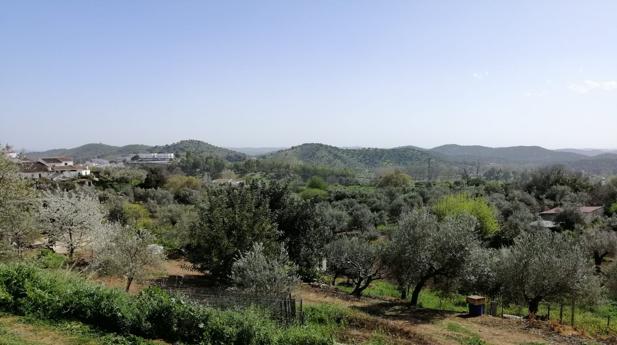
{"points": [[256, 151], [532, 155], [357, 158], [90, 151], [588, 152]]}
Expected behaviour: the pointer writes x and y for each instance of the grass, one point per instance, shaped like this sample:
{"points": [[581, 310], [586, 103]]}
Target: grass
{"points": [[463, 335], [592, 320], [20, 330], [428, 298]]}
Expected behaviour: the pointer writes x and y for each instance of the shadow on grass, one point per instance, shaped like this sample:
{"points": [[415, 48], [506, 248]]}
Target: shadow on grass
{"points": [[403, 311]]}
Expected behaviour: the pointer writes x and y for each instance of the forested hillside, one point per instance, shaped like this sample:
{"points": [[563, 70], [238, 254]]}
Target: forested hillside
{"points": [[440, 162], [515, 154]]}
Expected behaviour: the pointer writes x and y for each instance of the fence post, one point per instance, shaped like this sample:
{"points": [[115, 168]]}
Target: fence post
{"points": [[301, 313], [548, 313], [561, 313], [572, 313]]}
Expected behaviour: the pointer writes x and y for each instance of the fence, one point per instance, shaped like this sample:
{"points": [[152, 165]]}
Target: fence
{"points": [[563, 313], [285, 309]]}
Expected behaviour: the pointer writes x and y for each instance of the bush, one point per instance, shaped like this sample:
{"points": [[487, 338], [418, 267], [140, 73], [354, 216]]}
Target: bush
{"points": [[49, 259], [458, 204], [153, 313]]}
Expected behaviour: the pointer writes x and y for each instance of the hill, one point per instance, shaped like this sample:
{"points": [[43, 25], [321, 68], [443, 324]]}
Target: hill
{"points": [[256, 151], [90, 151], [184, 146], [588, 152], [531, 155], [604, 164], [353, 158]]}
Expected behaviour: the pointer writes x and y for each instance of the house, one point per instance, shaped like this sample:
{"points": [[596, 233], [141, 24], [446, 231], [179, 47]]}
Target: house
{"points": [[53, 168], [589, 213]]}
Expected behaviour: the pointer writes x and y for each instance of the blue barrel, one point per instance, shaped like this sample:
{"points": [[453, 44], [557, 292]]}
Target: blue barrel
{"points": [[476, 310]]}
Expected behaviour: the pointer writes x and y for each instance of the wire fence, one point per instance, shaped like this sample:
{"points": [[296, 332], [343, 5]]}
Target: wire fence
{"points": [[561, 313], [285, 309]]}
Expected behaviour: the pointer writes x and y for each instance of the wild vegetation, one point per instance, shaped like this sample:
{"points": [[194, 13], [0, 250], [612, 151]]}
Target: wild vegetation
{"points": [[264, 226]]}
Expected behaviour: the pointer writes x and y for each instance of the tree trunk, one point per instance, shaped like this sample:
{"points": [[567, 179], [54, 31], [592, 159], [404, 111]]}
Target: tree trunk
{"points": [[334, 279], [416, 292], [360, 287], [598, 259], [129, 281], [404, 292]]}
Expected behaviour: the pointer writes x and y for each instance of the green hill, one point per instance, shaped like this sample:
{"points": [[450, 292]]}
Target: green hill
{"points": [[516, 154], [356, 158], [184, 146], [90, 151]]}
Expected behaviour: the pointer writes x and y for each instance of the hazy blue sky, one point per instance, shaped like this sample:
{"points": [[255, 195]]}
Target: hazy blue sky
{"points": [[279, 73]]}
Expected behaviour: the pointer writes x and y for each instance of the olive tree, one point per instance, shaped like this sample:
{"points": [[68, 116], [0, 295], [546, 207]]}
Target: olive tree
{"points": [[600, 244], [356, 258], [426, 249], [546, 265], [70, 217], [256, 272], [127, 251]]}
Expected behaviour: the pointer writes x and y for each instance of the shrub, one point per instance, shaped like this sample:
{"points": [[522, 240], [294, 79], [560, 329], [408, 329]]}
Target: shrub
{"points": [[49, 259], [458, 204], [153, 313]]}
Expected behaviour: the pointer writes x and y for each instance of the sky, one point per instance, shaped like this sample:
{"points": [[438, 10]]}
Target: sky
{"points": [[281, 73]]}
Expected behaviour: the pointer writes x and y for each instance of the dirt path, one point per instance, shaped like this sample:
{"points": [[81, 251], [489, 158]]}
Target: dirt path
{"points": [[405, 325]]}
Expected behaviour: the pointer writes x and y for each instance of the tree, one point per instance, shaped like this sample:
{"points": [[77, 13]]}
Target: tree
{"points": [[258, 273], [429, 249], [200, 164], [458, 204], [305, 232], [519, 221], [356, 258], [479, 275], [600, 244], [546, 265], [17, 204], [396, 179], [230, 220], [70, 217], [128, 251], [317, 182]]}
